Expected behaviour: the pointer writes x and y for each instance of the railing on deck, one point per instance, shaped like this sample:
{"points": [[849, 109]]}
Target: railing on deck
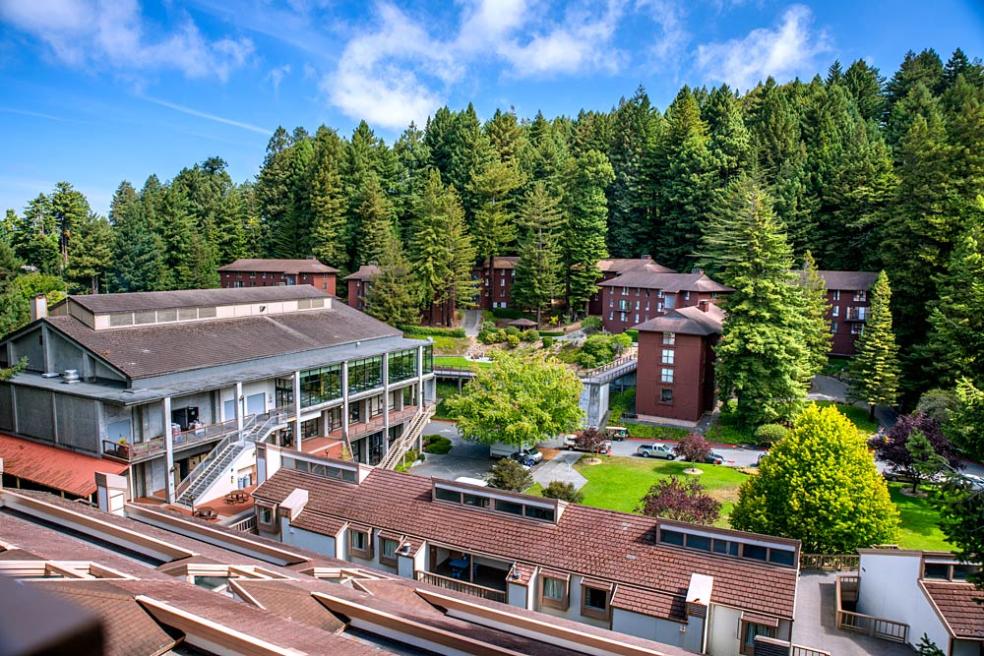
{"points": [[766, 645], [155, 446], [246, 525], [212, 456], [846, 591], [830, 562], [461, 586]]}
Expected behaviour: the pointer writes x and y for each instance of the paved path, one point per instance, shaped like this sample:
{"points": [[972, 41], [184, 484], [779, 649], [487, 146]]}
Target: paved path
{"points": [[815, 624], [827, 388], [472, 323], [560, 468]]}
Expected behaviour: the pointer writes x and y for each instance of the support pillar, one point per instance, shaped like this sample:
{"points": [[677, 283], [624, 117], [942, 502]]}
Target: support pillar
{"points": [[420, 377], [240, 409], [345, 405], [297, 410], [386, 401], [168, 450]]}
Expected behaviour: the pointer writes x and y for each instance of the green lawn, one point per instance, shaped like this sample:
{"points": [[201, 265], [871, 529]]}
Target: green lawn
{"points": [[727, 430], [920, 522], [619, 483], [458, 362], [857, 415], [450, 345]]}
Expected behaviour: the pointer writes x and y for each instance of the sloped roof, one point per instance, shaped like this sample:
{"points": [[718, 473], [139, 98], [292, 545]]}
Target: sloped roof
{"points": [[591, 541], [848, 280], [308, 265], [365, 272], [182, 298], [687, 321], [153, 350], [623, 264], [59, 469], [955, 601], [505, 262], [646, 278]]}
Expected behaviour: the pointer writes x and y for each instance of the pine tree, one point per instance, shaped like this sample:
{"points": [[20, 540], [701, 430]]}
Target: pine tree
{"points": [[955, 345], [924, 68], [327, 199], [138, 252], [865, 85], [494, 228], [412, 163], [394, 296], [582, 239], [506, 136], [35, 236], [547, 157], [375, 216], [763, 360], [537, 281], [730, 144], [874, 371], [92, 254], [181, 247], [816, 328], [69, 209]]}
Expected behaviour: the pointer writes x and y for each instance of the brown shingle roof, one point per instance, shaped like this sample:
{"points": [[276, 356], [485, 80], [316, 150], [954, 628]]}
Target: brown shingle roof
{"points": [[291, 602], [956, 601], [623, 264], [140, 301], [599, 543], [848, 280], [365, 272], [650, 602], [687, 321], [645, 278], [505, 262], [309, 265], [145, 351], [59, 469]]}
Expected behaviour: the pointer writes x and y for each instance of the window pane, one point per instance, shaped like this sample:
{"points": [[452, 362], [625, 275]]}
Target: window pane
{"points": [[699, 542], [596, 598], [447, 495], [937, 571], [476, 500], [389, 548], [554, 588], [509, 507], [781, 556], [536, 512], [721, 546], [755, 552], [671, 537]]}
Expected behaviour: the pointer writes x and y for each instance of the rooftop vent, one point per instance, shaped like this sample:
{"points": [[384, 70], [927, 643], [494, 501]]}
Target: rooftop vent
{"points": [[70, 376]]}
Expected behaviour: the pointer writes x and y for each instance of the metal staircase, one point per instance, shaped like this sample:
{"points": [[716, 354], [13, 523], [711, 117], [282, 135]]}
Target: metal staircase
{"points": [[256, 429], [410, 435]]}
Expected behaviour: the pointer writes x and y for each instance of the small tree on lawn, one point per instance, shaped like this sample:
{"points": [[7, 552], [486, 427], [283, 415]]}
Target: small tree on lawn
{"points": [[681, 500], [927, 647], [507, 474], [874, 371], [915, 461], [819, 485], [563, 491], [519, 400], [693, 448], [590, 439]]}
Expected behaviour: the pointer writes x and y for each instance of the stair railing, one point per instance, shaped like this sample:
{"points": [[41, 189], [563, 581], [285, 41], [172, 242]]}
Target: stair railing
{"points": [[213, 455]]}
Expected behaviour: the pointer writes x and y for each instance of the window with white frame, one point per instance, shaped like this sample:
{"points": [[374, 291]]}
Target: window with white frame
{"points": [[835, 311], [666, 375], [668, 355], [669, 339], [837, 294]]}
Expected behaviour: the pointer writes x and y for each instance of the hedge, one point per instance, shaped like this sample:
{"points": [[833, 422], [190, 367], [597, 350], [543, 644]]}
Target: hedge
{"points": [[423, 331]]}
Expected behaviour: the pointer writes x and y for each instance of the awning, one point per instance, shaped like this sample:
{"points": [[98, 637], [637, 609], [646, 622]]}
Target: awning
{"points": [[60, 469], [763, 620]]}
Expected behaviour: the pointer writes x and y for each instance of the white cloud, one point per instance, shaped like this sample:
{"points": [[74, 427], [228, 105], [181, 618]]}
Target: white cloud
{"points": [[277, 75], [783, 52], [113, 33], [669, 43]]}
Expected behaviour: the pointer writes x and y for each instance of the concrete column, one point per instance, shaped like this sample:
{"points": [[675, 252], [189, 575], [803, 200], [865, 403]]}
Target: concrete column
{"points": [[168, 450], [345, 402], [386, 395], [49, 361], [297, 410], [420, 377], [240, 410]]}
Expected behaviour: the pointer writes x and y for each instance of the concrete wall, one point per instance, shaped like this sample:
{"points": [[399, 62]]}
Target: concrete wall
{"points": [[722, 633], [202, 400], [519, 595], [298, 537], [686, 636], [594, 403], [890, 589], [29, 345], [965, 648]]}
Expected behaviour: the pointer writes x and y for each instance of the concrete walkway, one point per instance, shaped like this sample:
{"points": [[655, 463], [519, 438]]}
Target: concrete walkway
{"points": [[828, 388], [815, 624], [472, 323], [560, 468]]}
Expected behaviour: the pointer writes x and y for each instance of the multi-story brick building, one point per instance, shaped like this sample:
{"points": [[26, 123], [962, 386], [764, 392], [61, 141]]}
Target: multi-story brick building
{"points": [[675, 375], [358, 285], [272, 273], [614, 267], [647, 292], [496, 293], [847, 294]]}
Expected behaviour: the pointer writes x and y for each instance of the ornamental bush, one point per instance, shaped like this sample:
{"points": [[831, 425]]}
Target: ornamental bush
{"points": [[591, 324], [563, 491], [693, 448], [681, 499], [530, 335], [819, 485], [507, 474], [770, 433]]}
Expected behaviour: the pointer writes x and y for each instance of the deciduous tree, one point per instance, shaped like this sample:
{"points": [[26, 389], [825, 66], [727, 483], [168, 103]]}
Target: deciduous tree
{"points": [[681, 500]]}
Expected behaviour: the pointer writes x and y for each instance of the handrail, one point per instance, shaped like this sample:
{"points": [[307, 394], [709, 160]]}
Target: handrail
{"points": [[614, 364], [458, 585], [212, 456], [830, 562], [130, 451], [846, 589]]}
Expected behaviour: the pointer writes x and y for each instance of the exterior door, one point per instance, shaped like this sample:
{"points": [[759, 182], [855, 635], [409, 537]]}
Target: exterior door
{"points": [[256, 404]]}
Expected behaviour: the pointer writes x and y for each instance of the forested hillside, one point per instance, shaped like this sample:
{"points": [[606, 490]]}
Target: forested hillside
{"points": [[863, 171]]}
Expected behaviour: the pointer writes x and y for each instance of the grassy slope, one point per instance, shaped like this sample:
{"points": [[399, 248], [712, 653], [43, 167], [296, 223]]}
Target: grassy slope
{"points": [[458, 362], [620, 483]]}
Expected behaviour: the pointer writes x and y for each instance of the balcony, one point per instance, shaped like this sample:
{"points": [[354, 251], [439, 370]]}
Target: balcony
{"points": [[846, 593], [154, 447], [457, 585], [857, 314], [357, 430]]}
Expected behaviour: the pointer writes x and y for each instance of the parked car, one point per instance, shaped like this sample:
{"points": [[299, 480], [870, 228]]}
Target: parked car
{"points": [[713, 458], [571, 444], [527, 457], [656, 450], [758, 462], [617, 433]]}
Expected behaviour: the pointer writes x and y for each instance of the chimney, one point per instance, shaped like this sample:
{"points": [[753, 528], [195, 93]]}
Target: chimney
{"points": [[39, 307], [703, 305]]}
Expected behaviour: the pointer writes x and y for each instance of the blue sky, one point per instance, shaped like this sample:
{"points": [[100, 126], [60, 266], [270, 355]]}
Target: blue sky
{"points": [[98, 91]]}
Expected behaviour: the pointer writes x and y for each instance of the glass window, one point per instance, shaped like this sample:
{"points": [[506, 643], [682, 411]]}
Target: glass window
{"points": [[720, 546], [837, 294], [207, 313], [782, 556], [666, 395], [358, 540], [284, 392], [387, 548], [375, 405], [145, 317], [671, 537], [596, 599], [428, 359], [835, 311], [668, 355], [748, 637], [666, 375], [754, 551], [447, 495], [509, 507], [699, 542], [167, 316], [402, 365], [961, 572], [365, 374], [121, 319], [536, 512], [476, 500], [554, 589], [321, 385], [266, 515], [936, 571], [669, 339]]}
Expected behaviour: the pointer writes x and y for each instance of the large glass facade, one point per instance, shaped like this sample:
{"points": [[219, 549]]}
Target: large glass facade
{"points": [[321, 385], [428, 359], [284, 388], [365, 374], [402, 365]]}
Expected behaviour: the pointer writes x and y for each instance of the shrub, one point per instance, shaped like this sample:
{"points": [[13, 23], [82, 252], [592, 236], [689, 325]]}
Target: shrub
{"points": [[530, 335], [488, 337], [507, 474], [591, 324], [937, 404], [681, 500], [693, 448], [512, 330], [437, 444], [512, 341], [633, 334], [548, 341], [620, 342], [433, 330], [770, 433], [596, 351], [563, 491], [590, 439], [507, 313], [551, 333]]}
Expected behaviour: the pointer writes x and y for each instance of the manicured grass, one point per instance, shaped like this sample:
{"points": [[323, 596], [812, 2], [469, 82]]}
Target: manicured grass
{"points": [[727, 430], [450, 345], [458, 362], [535, 490], [920, 522], [859, 416], [619, 483]]}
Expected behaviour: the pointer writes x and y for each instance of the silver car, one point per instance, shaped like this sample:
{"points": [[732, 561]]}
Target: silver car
{"points": [[656, 451]]}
